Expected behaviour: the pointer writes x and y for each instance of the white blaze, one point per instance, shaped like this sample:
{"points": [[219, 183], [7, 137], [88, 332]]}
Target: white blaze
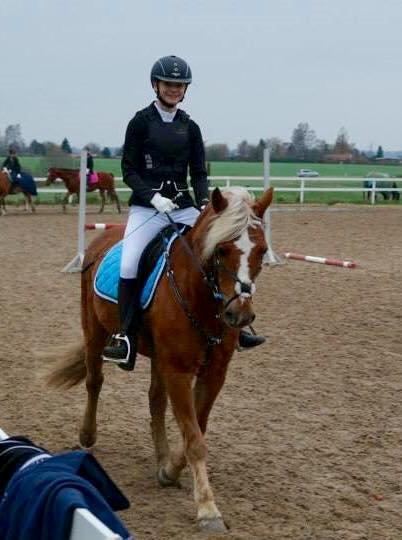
{"points": [[245, 245]]}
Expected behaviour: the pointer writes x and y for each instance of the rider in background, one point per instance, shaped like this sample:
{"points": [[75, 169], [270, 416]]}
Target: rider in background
{"points": [[12, 164], [162, 143], [90, 166]]}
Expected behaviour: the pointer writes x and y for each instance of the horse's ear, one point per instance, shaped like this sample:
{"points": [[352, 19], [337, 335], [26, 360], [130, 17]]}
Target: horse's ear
{"points": [[219, 202], [263, 202]]}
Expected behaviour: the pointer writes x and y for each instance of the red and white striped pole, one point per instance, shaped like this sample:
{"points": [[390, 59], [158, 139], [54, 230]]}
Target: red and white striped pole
{"points": [[102, 226], [320, 260]]}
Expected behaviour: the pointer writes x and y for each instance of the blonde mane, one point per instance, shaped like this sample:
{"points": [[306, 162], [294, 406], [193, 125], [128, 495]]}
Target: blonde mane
{"points": [[232, 222]]}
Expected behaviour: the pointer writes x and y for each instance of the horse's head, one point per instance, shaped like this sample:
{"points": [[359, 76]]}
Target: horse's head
{"points": [[51, 176], [233, 249]]}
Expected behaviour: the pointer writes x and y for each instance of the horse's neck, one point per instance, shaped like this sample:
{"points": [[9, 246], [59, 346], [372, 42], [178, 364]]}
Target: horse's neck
{"points": [[191, 262]]}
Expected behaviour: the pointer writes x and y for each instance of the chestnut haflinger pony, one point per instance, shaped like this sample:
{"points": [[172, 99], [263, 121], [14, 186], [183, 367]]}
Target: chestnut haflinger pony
{"points": [[71, 179], [25, 185], [189, 332]]}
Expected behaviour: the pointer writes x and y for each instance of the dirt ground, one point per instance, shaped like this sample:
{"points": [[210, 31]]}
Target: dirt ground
{"points": [[305, 440]]}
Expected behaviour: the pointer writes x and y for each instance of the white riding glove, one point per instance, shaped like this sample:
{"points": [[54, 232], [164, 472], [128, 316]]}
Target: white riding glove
{"points": [[163, 204], [18, 175]]}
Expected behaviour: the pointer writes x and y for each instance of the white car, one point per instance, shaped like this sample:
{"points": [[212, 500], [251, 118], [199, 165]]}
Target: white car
{"points": [[307, 173]]}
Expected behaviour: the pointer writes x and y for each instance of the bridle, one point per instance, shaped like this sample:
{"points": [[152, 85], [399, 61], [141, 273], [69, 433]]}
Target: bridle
{"points": [[211, 278]]}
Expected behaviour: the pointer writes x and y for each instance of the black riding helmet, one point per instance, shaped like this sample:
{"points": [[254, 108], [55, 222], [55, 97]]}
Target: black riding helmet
{"points": [[171, 69]]}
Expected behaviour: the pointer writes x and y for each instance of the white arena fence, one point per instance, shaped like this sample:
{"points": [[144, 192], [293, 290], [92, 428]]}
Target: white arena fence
{"points": [[256, 183]]}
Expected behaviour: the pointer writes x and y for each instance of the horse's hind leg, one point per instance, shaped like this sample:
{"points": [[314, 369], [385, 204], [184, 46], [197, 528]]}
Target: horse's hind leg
{"points": [[117, 201], [157, 406], [2, 206], [102, 194], [95, 339], [94, 380]]}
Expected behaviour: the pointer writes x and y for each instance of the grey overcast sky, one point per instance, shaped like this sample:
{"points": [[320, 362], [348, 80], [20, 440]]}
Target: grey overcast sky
{"points": [[80, 69]]}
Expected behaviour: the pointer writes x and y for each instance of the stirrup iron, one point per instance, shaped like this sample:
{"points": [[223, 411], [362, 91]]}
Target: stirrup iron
{"points": [[126, 360]]}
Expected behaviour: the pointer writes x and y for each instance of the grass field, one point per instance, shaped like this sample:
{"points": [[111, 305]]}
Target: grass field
{"points": [[39, 166]]}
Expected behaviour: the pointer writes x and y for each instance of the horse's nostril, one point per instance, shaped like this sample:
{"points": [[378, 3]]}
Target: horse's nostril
{"points": [[230, 317]]}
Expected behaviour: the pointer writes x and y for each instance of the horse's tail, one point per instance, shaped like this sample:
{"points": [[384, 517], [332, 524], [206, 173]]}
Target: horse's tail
{"points": [[71, 369]]}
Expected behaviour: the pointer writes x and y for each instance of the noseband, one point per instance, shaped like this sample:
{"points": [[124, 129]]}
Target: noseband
{"points": [[246, 289]]}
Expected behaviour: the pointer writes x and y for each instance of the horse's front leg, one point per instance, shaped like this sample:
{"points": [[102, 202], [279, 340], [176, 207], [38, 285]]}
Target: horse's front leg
{"points": [[208, 385], [65, 201], [3, 205], [28, 203], [179, 388]]}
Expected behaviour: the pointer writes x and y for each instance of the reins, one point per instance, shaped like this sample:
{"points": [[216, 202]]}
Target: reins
{"points": [[209, 280]]}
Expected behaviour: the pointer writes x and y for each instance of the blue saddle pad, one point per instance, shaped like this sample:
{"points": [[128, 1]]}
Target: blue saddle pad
{"points": [[107, 276]]}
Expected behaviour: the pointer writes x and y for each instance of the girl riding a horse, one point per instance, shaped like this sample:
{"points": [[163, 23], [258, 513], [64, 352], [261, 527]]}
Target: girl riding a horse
{"points": [[12, 164], [161, 144]]}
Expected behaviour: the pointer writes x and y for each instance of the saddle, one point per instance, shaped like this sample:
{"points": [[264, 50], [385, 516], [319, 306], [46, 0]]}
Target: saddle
{"points": [[151, 266], [93, 179]]}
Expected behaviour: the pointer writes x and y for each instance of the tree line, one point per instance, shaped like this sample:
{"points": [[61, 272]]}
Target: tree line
{"points": [[303, 146], [12, 138]]}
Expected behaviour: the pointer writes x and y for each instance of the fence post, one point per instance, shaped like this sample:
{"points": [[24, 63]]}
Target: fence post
{"points": [[373, 191], [76, 264], [301, 197], [270, 257]]}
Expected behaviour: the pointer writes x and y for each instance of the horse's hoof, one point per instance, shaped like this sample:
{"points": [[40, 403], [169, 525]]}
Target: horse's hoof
{"points": [[165, 481], [87, 441], [214, 525]]}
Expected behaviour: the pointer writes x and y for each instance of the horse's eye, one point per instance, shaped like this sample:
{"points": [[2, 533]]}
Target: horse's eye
{"points": [[221, 251]]}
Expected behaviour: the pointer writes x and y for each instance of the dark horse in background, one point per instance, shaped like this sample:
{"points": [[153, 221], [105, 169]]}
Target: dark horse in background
{"points": [[71, 179], [25, 185], [205, 297], [385, 184]]}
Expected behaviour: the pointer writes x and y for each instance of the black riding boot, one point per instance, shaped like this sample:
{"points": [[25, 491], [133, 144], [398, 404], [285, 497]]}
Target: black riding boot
{"points": [[123, 347], [247, 340]]}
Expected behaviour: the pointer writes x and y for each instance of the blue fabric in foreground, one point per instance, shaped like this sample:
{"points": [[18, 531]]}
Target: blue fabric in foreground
{"points": [[40, 500]]}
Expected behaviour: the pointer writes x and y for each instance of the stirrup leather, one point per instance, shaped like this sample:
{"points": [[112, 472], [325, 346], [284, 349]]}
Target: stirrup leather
{"points": [[121, 361]]}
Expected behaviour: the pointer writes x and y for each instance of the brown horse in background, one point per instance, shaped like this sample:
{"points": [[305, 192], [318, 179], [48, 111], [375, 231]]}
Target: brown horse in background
{"points": [[205, 297], [71, 179], [8, 188]]}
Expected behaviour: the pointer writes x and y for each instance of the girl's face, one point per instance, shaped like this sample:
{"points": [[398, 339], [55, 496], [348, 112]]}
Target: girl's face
{"points": [[171, 92]]}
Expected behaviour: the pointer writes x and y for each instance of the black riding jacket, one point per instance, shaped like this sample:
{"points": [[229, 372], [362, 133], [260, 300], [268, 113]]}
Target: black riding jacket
{"points": [[157, 156], [12, 164], [90, 163]]}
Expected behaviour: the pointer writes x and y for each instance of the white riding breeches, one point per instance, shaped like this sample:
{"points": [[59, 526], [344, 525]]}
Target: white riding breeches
{"points": [[143, 225]]}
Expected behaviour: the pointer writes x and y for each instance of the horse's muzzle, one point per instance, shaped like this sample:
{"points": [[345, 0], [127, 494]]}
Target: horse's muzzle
{"points": [[238, 318]]}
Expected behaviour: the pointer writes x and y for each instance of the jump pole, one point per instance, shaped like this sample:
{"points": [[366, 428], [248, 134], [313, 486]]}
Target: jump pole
{"points": [[76, 264], [270, 257], [320, 260], [102, 226]]}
